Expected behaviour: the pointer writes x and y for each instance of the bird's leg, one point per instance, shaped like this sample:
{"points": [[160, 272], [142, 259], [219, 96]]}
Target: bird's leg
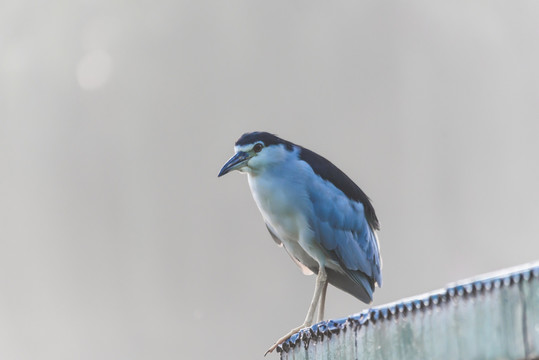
{"points": [[322, 304], [321, 280], [321, 284]]}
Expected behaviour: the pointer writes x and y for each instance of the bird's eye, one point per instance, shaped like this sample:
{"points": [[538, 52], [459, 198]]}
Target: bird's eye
{"points": [[257, 148]]}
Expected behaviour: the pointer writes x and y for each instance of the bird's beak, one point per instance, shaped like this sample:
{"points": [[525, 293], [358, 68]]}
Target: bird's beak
{"points": [[237, 161]]}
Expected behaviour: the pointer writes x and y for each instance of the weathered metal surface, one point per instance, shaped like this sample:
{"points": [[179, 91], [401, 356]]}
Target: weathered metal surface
{"points": [[495, 316]]}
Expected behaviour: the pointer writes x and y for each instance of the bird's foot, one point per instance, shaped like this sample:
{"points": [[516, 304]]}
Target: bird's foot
{"points": [[286, 337]]}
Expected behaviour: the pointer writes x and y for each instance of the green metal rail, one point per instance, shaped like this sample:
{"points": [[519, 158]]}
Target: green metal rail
{"points": [[495, 316]]}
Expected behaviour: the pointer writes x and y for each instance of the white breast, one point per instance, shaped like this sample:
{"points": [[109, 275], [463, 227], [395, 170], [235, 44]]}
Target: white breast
{"points": [[287, 209], [282, 204]]}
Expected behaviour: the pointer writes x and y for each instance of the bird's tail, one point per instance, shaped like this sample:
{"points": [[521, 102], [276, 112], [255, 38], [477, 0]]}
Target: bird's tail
{"points": [[353, 282]]}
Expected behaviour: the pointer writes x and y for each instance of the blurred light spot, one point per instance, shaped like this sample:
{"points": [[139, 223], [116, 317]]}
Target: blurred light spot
{"points": [[94, 69]]}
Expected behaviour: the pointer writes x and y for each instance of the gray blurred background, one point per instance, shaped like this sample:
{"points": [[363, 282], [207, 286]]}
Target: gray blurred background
{"points": [[117, 240]]}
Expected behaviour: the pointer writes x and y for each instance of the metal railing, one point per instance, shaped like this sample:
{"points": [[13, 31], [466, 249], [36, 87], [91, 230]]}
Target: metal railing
{"points": [[494, 316]]}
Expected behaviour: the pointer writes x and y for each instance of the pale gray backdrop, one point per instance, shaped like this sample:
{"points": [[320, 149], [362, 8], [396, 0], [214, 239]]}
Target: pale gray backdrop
{"points": [[117, 240]]}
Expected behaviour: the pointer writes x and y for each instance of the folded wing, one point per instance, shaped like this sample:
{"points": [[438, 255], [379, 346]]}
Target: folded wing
{"points": [[342, 228]]}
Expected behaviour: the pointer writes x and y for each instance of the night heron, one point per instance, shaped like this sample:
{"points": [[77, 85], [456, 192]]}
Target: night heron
{"points": [[324, 221]]}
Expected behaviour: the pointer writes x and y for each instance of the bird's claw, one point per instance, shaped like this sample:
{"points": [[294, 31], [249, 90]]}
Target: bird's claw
{"points": [[286, 337], [273, 347]]}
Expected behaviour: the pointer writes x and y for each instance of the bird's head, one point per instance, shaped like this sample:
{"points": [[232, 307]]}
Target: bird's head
{"points": [[257, 151]]}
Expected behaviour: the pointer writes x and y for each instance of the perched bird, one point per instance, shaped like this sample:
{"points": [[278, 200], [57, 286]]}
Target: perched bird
{"points": [[324, 221]]}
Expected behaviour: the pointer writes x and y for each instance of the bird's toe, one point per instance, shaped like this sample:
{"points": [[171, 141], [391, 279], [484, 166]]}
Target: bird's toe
{"points": [[286, 337]]}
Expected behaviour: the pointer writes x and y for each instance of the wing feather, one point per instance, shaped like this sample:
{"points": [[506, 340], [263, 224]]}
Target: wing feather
{"points": [[343, 229]]}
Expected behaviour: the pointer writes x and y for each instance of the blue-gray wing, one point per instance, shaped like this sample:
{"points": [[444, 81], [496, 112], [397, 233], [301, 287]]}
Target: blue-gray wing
{"points": [[341, 227]]}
